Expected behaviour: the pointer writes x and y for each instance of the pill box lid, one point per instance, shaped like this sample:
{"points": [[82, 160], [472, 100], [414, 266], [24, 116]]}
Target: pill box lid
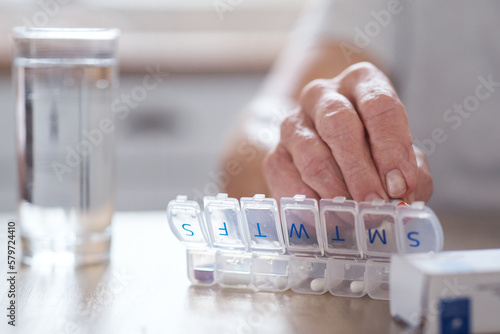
{"points": [[185, 219], [339, 227], [373, 215], [301, 225], [261, 224], [221, 208], [418, 229]]}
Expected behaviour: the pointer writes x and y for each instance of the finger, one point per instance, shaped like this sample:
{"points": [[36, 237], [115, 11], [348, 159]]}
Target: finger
{"points": [[282, 177], [386, 124], [340, 127], [312, 157]]}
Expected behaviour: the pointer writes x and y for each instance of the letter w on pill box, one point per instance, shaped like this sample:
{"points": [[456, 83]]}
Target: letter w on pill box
{"points": [[339, 246]]}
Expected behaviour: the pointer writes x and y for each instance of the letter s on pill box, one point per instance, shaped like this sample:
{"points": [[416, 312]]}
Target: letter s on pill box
{"points": [[448, 292]]}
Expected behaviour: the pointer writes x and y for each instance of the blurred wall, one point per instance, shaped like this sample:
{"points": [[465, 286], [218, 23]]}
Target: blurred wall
{"points": [[212, 61]]}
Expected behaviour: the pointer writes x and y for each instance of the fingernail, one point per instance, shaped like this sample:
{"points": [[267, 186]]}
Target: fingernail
{"points": [[372, 197], [396, 184]]}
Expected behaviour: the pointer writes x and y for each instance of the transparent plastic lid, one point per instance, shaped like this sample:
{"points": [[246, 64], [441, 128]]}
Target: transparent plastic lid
{"points": [[186, 222], [338, 224], [418, 229], [261, 224], [301, 225], [377, 228], [224, 223], [68, 43]]}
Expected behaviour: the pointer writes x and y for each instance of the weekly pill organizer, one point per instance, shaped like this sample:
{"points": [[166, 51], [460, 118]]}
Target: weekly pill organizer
{"points": [[336, 245]]}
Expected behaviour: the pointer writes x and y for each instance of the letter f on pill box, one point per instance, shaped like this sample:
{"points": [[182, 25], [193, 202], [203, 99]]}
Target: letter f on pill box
{"points": [[223, 218]]}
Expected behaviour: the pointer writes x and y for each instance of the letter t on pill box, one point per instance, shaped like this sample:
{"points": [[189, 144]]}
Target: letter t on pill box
{"points": [[262, 229], [346, 267]]}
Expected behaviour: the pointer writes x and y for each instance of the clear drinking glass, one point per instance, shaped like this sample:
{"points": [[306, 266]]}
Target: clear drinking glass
{"points": [[64, 83]]}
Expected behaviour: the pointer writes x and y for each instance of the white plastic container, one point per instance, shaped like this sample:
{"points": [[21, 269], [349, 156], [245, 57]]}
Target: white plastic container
{"points": [[449, 292]]}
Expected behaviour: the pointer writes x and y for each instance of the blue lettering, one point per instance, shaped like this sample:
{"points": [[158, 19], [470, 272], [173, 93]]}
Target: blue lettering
{"points": [[188, 230], [260, 233], [223, 229], [417, 242], [337, 232], [381, 237], [299, 232]]}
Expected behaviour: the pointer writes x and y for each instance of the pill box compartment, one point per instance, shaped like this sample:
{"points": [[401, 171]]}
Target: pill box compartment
{"points": [[233, 269], [338, 226], [185, 219], [200, 266], [270, 272], [377, 229], [308, 275], [346, 277], [262, 228], [377, 279]]}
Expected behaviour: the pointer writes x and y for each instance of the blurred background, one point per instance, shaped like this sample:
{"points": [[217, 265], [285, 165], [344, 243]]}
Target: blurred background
{"points": [[213, 55]]}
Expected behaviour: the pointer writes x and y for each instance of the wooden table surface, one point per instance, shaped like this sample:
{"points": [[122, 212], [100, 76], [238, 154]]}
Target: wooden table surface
{"points": [[144, 289]]}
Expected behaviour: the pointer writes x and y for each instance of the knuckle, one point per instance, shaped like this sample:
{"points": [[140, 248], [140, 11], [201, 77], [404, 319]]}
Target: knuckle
{"points": [[338, 125], [312, 90], [287, 125], [380, 106], [361, 69], [272, 162]]}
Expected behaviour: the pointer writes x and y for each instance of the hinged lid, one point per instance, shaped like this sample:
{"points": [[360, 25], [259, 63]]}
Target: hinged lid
{"points": [[301, 225], [377, 229], [224, 224], [418, 229], [261, 224], [186, 222], [338, 223]]}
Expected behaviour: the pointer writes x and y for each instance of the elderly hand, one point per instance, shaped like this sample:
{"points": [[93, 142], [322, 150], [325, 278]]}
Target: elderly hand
{"points": [[349, 137]]}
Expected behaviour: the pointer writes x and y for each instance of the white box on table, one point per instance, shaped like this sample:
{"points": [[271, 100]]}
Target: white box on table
{"points": [[448, 292]]}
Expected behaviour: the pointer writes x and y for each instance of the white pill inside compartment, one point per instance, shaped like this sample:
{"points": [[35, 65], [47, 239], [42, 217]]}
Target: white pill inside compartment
{"points": [[318, 284], [357, 287]]}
